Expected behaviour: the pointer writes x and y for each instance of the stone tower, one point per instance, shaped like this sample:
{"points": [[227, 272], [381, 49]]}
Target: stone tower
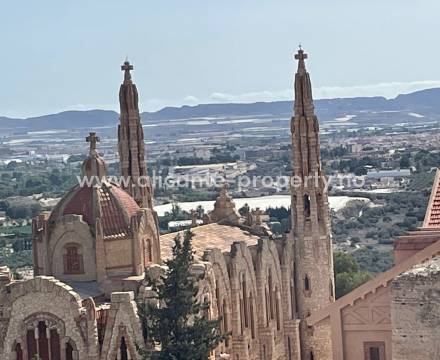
{"points": [[310, 216], [131, 143]]}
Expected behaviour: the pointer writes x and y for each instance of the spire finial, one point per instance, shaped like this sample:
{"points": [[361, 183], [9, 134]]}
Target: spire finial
{"points": [[126, 68], [301, 56], [93, 140]]}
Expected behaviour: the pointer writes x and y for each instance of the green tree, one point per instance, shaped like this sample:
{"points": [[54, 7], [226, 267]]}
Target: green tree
{"points": [[347, 274], [346, 282], [344, 263], [179, 324]]}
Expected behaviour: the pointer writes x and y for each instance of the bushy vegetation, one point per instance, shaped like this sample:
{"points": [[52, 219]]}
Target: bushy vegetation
{"points": [[348, 276], [373, 260], [24, 180], [393, 215]]}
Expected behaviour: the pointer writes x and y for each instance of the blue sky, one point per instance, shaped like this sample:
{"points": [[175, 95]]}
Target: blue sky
{"points": [[62, 54]]}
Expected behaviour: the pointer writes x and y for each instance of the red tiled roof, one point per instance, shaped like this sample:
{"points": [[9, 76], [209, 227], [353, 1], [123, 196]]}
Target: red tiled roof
{"points": [[117, 207], [81, 204], [432, 218]]}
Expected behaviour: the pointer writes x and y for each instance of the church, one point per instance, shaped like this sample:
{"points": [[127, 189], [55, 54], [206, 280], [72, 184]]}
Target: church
{"points": [[275, 296]]}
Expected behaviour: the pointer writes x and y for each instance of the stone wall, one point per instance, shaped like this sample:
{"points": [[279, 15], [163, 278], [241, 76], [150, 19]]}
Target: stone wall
{"points": [[122, 321], [46, 298], [415, 310]]}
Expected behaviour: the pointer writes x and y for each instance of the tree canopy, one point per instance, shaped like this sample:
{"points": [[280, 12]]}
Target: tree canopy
{"points": [[179, 324]]}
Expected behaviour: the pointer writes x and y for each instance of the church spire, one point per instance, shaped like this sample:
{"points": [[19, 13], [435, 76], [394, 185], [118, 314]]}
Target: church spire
{"points": [[303, 87], [314, 280], [131, 143]]}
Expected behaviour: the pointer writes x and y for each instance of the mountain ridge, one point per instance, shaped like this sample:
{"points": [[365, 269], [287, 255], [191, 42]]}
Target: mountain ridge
{"points": [[425, 101]]}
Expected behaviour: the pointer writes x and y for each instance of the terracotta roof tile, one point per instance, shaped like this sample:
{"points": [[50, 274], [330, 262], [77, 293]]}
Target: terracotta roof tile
{"points": [[117, 207], [432, 218], [209, 236]]}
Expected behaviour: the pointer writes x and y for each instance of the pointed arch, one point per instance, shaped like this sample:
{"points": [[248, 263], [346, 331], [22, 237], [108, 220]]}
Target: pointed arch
{"points": [[306, 206], [307, 284]]}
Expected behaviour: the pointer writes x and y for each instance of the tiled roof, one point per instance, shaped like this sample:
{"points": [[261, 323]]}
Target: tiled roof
{"points": [[208, 236], [81, 204], [116, 207], [432, 217]]}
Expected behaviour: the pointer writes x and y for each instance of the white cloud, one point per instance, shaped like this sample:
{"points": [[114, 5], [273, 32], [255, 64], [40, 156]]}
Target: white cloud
{"points": [[191, 100], [388, 90]]}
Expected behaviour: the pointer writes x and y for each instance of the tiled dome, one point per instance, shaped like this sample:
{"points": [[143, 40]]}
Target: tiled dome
{"points": [[110, 203], [116, 207]]}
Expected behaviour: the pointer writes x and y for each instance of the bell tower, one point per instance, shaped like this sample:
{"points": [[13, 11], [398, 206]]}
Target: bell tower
{"points": [[131, 143], [314, 279]]}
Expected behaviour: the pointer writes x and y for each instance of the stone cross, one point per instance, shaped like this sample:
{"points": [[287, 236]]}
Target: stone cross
{"points": [[93, 140], [301, 55], [127, 67]]}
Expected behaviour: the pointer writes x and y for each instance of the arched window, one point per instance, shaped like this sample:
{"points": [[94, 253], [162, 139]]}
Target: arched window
{"points": [[245, 300], [219, 308], [148, 252], [43, 339], [69, 351], [251, 310], [18, 352], [331, 289], [312, 357], [271, 295], [73, 259], [123, 350], [277, 308], [289, 348], [294, 291], [43, 345], [55, 346], [225, 320], [306, 283], [241, 316], [306, 206], [31, 343], [267, 308]]}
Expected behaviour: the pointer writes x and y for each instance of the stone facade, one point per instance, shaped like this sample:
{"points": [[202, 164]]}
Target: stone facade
{"points": [[131, 143], [96, 233], [415, 309], [275, 296], [310, 216]]}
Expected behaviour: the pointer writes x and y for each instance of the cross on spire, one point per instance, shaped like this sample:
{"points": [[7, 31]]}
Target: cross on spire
{"points": [[127, 67], [93, 140], [301, 55]]}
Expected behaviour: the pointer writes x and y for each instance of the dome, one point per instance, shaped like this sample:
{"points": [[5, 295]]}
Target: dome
{"points": [[98, 198], [116, 207]]}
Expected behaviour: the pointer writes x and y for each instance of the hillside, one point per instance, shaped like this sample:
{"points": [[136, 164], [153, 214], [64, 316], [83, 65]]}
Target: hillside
{"points": [[417, 106]]}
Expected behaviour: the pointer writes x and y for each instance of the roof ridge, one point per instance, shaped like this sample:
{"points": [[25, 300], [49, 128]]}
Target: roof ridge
{"points": [[379, 281]]}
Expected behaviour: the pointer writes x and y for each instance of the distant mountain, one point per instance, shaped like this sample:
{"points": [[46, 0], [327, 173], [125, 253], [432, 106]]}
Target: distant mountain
{"points": [[64, 120], [365, 110]]}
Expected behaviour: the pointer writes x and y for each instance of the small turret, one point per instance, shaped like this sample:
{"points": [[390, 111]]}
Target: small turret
{"points": [[94, 166]]}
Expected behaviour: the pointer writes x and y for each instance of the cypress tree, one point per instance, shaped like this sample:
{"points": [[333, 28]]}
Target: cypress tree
{"points": [[178, 325]]}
